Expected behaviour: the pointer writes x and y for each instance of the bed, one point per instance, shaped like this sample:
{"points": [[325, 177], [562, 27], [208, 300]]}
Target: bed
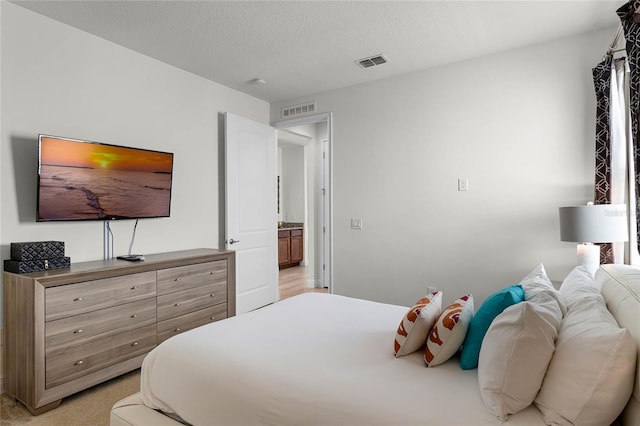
{"points": [[319, 359]]}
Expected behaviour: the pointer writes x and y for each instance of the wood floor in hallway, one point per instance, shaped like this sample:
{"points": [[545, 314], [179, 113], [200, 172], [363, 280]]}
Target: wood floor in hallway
{"points": [[293, 281]]}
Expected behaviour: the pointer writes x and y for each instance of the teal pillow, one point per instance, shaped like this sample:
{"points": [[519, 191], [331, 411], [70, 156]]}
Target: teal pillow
{"points": [[490, 308]]}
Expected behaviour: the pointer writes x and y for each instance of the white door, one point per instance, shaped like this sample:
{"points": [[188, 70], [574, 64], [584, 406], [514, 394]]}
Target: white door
{"points": [[251, 217]]}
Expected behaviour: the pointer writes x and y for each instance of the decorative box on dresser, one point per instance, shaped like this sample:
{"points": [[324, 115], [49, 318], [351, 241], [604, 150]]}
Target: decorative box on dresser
{"points": [[66, 330]]}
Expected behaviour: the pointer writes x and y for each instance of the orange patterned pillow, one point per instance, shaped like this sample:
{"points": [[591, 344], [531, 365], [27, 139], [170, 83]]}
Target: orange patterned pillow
{"points": [[416, 324], [449, 332]]}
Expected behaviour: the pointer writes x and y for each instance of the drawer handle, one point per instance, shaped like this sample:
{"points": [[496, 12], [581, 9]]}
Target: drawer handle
{"points": [[177, 279], [134, 344], [212, 295], [78, 362], [78, 331], [176, 304], [134, 316], [77, 299], [177, 329], [135, 287], [212, 272], [212, 318]]}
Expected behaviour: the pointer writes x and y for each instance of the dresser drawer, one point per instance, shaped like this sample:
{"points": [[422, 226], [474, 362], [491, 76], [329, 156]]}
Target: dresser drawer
{"points": [[186, 322], [68, 364], [85, 328], [73, 299], [186, 277], [183, 302]]}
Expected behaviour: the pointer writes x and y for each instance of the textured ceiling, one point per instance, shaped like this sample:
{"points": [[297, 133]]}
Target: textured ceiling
{"points": [[304, 47]]}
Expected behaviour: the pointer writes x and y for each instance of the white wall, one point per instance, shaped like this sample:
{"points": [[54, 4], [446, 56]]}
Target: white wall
{"points": [[519, 125], [62, 81], [292, 183]]}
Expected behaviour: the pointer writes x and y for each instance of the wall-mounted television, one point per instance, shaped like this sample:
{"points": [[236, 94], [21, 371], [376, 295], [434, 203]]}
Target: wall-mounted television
{"points": [[84, 180]]}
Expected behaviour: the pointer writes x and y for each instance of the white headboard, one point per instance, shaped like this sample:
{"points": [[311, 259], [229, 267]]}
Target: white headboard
{"points": [[620, 286]]}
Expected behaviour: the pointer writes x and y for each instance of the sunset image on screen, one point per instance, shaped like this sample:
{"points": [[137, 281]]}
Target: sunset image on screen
{"points": [[65, 152], [81, 180]]}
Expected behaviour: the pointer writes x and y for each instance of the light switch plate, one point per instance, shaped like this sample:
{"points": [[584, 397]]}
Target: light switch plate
{"points": [[356, 223], [463, 184]]}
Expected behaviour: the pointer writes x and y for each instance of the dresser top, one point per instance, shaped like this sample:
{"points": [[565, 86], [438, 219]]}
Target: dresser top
{"points": [[98, 269]]}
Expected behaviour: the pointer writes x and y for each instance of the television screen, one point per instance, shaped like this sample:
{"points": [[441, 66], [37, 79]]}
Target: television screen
{"points": [[83, 180]]}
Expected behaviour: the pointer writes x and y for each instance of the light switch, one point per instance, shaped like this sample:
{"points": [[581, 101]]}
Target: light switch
{"points": [[463, 184], [356, 223]]}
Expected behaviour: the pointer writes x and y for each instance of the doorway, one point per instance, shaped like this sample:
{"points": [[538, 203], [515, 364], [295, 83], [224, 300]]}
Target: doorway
{"points": [[309, 138]]}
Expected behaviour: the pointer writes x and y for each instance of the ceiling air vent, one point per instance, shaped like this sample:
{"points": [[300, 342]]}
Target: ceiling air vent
{"points": [[290, 111], [372, 61]]}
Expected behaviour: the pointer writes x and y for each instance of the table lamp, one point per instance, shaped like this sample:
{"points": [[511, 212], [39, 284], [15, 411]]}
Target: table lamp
{"points": [[593, 223]]}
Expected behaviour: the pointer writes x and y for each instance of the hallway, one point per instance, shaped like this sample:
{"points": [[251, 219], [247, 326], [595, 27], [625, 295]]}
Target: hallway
{"points": [[293, 281]]}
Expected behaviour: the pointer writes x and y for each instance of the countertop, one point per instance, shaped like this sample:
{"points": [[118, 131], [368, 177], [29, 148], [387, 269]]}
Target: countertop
{"points": [[290, 225]]}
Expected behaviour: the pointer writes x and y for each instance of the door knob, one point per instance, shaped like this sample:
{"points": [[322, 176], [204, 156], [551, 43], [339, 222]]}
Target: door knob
{"points": [[232, 241]]}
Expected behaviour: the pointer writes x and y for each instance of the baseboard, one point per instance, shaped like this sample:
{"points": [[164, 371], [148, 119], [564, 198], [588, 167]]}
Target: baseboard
{"points": [[311, 283]]}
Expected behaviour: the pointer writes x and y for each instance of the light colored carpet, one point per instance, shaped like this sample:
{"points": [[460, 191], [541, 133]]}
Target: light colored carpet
{"points": [[90, 407]]}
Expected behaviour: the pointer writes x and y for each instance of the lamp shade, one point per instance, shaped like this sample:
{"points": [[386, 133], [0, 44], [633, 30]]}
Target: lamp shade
{"points": [[599, 223]]}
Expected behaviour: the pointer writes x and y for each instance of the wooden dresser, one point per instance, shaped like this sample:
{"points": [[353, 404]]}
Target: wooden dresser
{"points": [[69, 329]]}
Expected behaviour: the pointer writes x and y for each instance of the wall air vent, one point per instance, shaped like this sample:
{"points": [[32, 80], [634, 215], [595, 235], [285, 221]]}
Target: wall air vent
{"points": [[291, 111], [372, 61]]}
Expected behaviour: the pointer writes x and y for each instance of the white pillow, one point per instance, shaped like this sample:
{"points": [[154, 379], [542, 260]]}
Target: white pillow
{"points": [[518, 347], [590, 377], [449, 331], [537, 276], [537, 283], [515, 354], [416, 324], [577, 285]]}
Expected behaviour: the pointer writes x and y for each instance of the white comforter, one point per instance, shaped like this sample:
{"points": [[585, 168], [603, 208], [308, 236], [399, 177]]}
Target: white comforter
{"points": [[314, 359]]}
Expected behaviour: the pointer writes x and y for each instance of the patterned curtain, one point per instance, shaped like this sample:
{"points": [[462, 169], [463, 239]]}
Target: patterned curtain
{"points": [[631, 26], [602, 85]]}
